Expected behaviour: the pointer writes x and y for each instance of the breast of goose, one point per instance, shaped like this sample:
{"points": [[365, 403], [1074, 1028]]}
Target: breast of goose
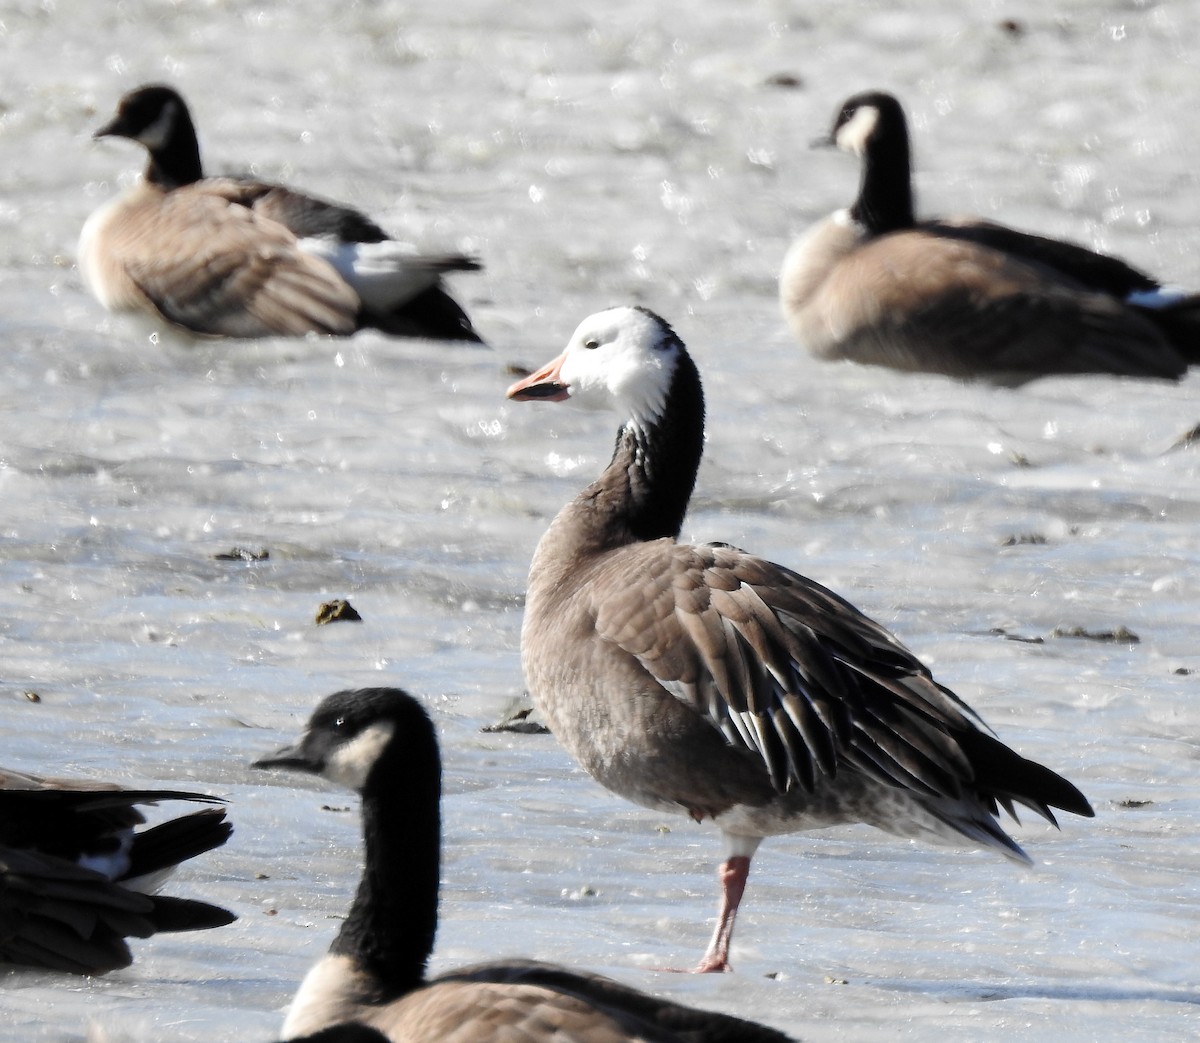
{"points": [[703, 679], [965, 297], [78, 875], [237, 257], [381, 743]]}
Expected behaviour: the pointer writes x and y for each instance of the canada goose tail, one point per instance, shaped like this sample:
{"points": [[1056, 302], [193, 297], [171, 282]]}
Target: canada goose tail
{"points": [[66, 918], [433, 314], [158, 850], [187, 914], [401, 290], [1179, 319]]}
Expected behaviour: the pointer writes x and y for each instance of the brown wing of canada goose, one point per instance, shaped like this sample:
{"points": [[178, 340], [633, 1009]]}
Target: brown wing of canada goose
{"points": [[913, 300], [216, 268]]}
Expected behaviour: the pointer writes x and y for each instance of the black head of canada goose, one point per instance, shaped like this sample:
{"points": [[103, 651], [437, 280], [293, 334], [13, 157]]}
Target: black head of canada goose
{"points": [[380, 742], [236, 257], [966, 297], [703, 680], [77, 876]]}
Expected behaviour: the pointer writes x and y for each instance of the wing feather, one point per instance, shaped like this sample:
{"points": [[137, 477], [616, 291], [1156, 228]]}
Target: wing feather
{"points": [[300, 213], [962, 307], [789, 671], [215, 267]]}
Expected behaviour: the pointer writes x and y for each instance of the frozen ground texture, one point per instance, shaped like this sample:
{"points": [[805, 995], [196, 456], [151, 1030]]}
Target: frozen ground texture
{"points": [[623, 152]]}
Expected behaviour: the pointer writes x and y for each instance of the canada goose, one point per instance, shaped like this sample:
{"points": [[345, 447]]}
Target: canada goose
{"points": [[74, 873], [236, 257], [699, 679], [967, 298], [380, 742]]}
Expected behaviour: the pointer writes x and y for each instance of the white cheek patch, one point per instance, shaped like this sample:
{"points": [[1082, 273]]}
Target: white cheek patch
{"points": [[351, 763], [854, 134], [155, 136]]}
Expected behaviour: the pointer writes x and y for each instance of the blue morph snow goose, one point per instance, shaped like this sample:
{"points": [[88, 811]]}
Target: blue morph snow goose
{"points": [[700, 679], [237, 257]]}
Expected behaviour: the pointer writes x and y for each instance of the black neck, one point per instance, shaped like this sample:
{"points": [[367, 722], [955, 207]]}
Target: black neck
{"points": [[645, 489], [177, 162], [885, 197], [390, 929]]}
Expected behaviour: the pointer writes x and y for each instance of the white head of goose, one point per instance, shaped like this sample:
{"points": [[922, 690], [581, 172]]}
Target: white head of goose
{"points": [[967, 298], [380, 742], [236, 257], [76, 875], [703, 680]]}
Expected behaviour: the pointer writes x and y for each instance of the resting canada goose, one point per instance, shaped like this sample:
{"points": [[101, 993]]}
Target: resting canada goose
{"points": [[967, 298], [703, 680], [380, 742], [74, 873], [236, 257]]}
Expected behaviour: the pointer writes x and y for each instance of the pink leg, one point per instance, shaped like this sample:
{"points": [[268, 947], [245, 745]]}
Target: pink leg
{"points": [[732, 875]]}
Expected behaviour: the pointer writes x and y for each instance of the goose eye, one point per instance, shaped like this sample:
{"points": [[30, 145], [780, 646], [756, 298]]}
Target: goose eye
{"points": [[340, 722], [591, 343]]}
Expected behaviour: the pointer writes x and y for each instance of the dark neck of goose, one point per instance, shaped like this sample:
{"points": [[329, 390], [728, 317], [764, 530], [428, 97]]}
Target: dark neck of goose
{"points": [[885, 197], [645, 489], [390, 929], [177, 162]]}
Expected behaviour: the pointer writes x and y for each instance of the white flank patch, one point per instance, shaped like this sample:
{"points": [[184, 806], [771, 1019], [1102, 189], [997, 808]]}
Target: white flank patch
{"points": [[384, 275], [351, 763]]}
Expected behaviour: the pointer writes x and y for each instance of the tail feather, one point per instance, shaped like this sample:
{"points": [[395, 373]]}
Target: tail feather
{"points": [[1003, 775], [969, 820], [401, 290], [166, 845], [433, 314], [187, 914], [70, 919], [72, 863], [1179, 320]]}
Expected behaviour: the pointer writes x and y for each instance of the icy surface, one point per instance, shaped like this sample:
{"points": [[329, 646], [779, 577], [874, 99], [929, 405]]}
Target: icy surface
{"points": [[624, 152]]}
